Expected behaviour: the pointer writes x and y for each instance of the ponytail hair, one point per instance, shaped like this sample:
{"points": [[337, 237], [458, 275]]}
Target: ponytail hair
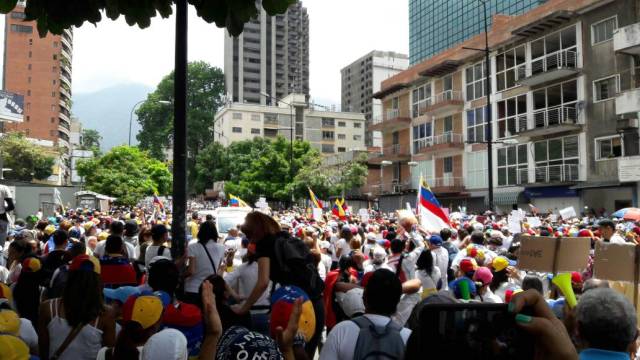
{"points": [[130, 337]]}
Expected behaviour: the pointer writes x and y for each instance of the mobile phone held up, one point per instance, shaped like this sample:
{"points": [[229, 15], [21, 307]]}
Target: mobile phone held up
{"points": [[469, 331]]}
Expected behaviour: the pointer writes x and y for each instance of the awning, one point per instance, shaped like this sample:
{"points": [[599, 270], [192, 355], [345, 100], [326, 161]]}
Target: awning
{"points": [[600, 184], [550, 192], [504, 198]]}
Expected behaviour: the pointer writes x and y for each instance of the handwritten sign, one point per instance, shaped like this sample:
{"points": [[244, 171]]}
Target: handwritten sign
{"points": [[568, 213], [540, 253], [317, 214], [614, 261], [514, 225]]}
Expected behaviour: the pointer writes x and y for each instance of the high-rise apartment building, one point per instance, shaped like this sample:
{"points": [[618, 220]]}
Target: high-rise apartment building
{"points": [[437, 25], [362, 78], [271, 56], [40, 70]]}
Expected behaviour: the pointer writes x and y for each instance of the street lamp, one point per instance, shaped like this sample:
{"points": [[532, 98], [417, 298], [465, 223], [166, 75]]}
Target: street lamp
{"points": [[291, 138], [165, 102]]}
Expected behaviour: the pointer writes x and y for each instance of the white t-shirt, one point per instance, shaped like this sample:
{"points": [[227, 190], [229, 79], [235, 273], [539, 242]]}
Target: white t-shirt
{"points": [[28, 334], [429, 281], [203, 266], [152, 251], [243, 279], [617, 239], [344, 245], [341, 342], [99, 251], [5, 193], [441, 260], [4, 274]]}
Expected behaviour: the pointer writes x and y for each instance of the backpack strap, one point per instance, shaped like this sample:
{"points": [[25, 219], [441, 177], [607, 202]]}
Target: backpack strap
{"points": [[161, 250], [215, 271], [399, 266], [362, 321]]}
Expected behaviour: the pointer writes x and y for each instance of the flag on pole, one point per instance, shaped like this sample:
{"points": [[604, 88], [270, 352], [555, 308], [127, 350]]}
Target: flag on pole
{"points": [[345, 208], [157, 202], [57, 199], [235, 201], [338, 210], [432, 217], [317, 203]]}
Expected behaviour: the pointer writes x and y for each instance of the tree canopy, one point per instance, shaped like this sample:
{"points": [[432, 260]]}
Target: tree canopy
{"points": [[261, 167], [91, 140], [26, 160], [56, 15], [205, 90], [126, 173]]}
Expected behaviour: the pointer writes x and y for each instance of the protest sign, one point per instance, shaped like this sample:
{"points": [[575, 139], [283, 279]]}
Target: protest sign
{"points": [[534, 221], [615, 262], [317, 214], [568, 213], [364, 215], [549, 254], [514, 225]]}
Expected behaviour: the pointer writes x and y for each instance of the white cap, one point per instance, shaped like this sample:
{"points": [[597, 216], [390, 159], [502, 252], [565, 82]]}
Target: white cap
{"points": [[324, 244], [477, 226], [351, 302], [169, 344], [379, 253]]}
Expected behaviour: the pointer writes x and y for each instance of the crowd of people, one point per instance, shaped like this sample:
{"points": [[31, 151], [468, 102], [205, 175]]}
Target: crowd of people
{"points": [[91, 285]]}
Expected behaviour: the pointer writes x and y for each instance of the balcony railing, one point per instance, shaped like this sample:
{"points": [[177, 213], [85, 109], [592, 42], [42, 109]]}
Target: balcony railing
{"points": [[555, 116], [392, 114], [446, 138], [445, 182], [420, 108], [395, 150], [448, 95], [268, 121], [555, 60], [557, 173], [387, 187]]}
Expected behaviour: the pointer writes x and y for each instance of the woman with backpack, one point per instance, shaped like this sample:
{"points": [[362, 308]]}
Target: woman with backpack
{"points": [[285, 261], [204, 258]]}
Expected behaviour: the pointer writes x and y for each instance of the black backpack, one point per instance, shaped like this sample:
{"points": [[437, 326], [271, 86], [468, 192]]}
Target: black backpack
{"points": [[297, 265], [378, 342]]}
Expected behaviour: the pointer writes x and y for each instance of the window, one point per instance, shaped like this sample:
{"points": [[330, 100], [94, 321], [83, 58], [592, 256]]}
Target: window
{"points": [[18, 15], [237, 130], [327, 148], [420, 99], [606, 88], [255, 131], [556, 159], [30, 41], [55, 44], [53, 108], [53, 94], [421, 136], [357, 125], [476, 130], [357, 137], [29, 67], [342, 124], [270, 132], [447, 165], [556, 104], [476, 166], [54, 82], [28, 92], [53, 120], [512, 165], [30, 54], [555, 50], [474, 79], [609, 147], [327, 135], [27, 118], [54, 69], [603, 30], [22, 28], [236, 116], [395, 103], [510, 65], [512, 116], [328, 122], [55, 57], [342, 137], [255, 117], [341, 149], [29, 80]]}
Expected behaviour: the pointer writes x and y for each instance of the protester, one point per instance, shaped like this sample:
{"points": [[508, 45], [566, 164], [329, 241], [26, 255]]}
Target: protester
{"points": [[204, 257], [159, 236]]}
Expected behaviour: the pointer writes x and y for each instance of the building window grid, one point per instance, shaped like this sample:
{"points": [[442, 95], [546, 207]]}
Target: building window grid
{"points": [[559, 104], [420, 99], [510, 66], [328, 135], [474, 80], [609, 147], [603, 30], [512, 116], [421, 136], [562, 42], [556, 159], [606, 88], [476, 125], [512, 165]]}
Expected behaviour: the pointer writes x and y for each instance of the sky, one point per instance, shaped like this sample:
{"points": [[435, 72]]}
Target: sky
{"points": [[341, 31]]}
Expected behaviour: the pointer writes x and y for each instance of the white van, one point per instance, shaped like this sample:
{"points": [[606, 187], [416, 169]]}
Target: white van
{"points": [[230, 217]]}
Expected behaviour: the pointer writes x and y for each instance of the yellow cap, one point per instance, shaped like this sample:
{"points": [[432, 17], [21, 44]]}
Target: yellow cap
{"points": [[13, 348], [9, 322]]}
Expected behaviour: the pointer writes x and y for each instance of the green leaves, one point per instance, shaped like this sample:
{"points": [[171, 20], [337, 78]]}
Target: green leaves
{"points": [[56, 15], [26, 160], [127, 174]]}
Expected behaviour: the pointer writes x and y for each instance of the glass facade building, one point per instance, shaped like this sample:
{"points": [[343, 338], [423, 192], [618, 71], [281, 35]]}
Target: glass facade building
{"points": [[437, 25]]}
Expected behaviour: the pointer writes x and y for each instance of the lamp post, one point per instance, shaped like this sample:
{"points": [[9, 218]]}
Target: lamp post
{"points": [[165, 102], [291, 139]]}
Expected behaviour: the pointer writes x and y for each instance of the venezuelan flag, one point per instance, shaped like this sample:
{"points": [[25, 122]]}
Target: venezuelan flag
{"points": [[338, 210], [432, 217], [157, 202], [235, 201], [314, 199]]}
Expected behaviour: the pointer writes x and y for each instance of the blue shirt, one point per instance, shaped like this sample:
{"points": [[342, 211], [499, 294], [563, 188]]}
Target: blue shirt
{"points": [[598, 354]]}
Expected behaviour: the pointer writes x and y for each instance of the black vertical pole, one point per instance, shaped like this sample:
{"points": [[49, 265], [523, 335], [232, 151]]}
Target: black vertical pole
{"points": [[291, 151], [487, 112], [178, 226]]}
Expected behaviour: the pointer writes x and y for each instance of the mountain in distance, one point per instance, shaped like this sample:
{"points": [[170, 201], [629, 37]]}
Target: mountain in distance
{"points": [[108, 111]]}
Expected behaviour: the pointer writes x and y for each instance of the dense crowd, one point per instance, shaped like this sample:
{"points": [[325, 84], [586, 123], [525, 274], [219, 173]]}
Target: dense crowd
{"points": [[91, 285]]}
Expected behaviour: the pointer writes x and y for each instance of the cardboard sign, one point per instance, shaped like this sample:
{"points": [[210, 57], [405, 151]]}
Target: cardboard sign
{"points": [[534, 221], [540, 253], [317, 214], [514, 225], [614, 261], [568, 213]]}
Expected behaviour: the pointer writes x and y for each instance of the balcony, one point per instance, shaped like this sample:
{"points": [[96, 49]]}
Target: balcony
{"points": [[388, 187], [556, 174], [628, 99], [64, 117], [554, 66], [396, 152], [551, 121], [446, 185], [65, 79], [393, 119], [65, 54], [440, 142], [627, 39], [271, 122], [445, 103]]}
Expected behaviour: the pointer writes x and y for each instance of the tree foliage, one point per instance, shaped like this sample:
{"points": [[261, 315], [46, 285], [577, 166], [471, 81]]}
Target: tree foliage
{"points": [[26, 160], [205, 89], [56, 15], [126, 173], [261, 167], [91, 140]]}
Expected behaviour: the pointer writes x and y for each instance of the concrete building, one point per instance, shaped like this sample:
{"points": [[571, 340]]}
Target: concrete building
{"points": [[271, 56], [362, 78], [329, 132], [77, 151], [437, 25], [565, 101], [39, 69]]}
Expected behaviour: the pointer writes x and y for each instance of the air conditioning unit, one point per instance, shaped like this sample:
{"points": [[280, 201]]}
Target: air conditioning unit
{"points": [[627, 124]]}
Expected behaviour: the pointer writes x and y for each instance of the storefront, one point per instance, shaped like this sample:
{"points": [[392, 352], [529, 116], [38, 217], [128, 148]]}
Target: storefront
{"points": [[553, 198], [608, 197]]}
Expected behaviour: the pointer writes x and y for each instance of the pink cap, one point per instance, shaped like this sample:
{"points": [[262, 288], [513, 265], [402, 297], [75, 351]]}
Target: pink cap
{"points": [[483, 275]]}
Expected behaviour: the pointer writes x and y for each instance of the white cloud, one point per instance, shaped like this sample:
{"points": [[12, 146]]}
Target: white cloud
{"points": [[340, 32]]}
